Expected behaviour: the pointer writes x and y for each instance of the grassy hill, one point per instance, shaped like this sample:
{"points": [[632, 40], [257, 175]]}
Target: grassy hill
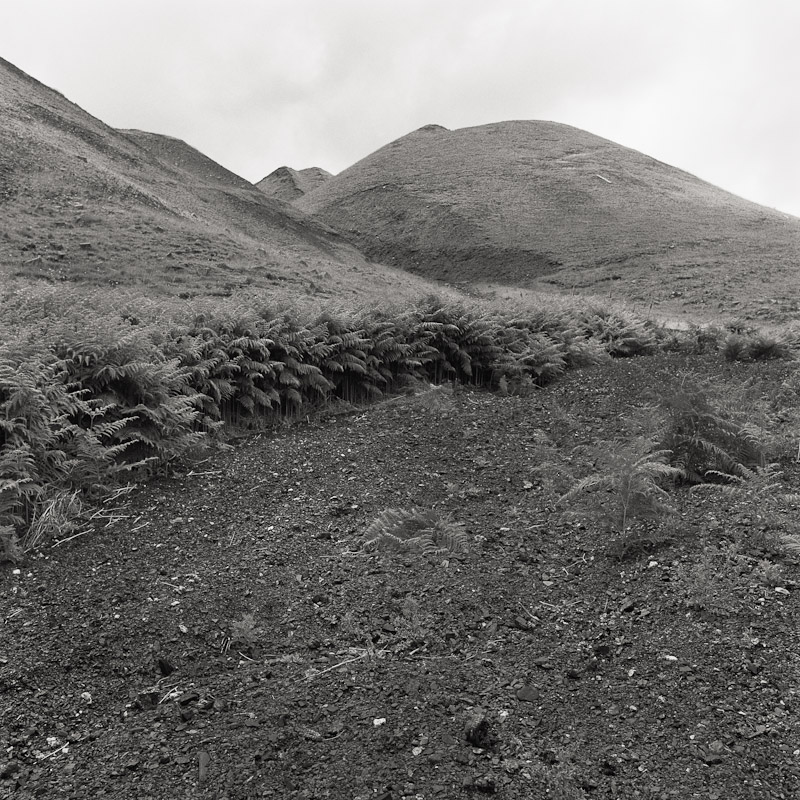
{"points": [[84, 202], [289, 184], [539, 204]]}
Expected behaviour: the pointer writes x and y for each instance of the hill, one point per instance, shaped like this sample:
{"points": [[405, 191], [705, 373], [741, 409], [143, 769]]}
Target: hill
{"points": [[288, 184], [540, 204], [84, 202]]}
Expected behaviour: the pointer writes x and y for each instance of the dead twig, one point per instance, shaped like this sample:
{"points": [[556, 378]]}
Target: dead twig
{"points": [[58, 750], [69, 538], [336, 666]]}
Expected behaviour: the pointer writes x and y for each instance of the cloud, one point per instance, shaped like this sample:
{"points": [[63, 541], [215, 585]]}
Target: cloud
{"points": [[706, 85]]}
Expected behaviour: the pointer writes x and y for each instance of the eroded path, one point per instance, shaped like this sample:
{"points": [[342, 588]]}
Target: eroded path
{"points": [[227, 637]]}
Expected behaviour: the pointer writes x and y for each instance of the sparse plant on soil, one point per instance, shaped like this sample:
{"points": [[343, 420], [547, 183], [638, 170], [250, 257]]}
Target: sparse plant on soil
{"points": [[708, 438], [425, 532], [628, 487], [60, 516], [244, 632], [710, 584], [549, 467], [764, 504], [768, 573], [757, 347]]}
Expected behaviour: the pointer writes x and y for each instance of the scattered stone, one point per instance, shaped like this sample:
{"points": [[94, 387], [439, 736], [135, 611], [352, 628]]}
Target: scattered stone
{"points": [[485, 784], [528, 693], [164, 667], [147, 699], [477, 730], [188, 697], [203, 760], [9, 769]]}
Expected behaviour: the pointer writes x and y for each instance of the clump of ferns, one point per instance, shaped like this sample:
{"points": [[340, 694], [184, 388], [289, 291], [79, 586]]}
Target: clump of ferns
{"points": [[708, 435], [209, 373], [769, 510], [345, 364], [758, 347], [51, 443], [394, 356], [416, 531], [132, 381], [693, 339], [622, 336], [464, 346], [570, 345], [528, 359]]}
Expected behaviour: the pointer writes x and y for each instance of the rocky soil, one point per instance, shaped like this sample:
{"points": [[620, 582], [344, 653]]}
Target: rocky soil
{"points": [[221, 632]]}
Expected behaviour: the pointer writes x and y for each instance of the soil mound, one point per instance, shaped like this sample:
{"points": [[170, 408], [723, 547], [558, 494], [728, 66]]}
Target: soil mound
{"points": [[539, 203]]}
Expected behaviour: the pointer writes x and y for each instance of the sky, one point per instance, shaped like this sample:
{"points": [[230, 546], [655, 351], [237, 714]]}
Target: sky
{"points": [[709, 86]]}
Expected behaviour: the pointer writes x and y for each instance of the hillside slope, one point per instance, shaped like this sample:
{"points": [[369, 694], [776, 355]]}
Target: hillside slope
{"points": [[83, 202], [289, 184], [538, 204]]}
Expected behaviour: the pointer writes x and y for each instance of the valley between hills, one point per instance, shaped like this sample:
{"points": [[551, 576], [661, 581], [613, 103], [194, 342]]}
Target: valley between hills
{"points": [[393, 483]]}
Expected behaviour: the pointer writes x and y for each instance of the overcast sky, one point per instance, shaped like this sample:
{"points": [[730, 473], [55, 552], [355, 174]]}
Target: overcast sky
{"points": [[710, 86]]}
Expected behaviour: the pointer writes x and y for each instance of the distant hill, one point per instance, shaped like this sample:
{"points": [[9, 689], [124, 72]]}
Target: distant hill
{"points": [[540, 204], [288, 184], [81, 201]]}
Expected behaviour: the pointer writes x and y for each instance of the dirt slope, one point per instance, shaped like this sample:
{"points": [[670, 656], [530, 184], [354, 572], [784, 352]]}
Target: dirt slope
{"points": [[538, 203], [225, 636], [81, 201], [288, 184]]}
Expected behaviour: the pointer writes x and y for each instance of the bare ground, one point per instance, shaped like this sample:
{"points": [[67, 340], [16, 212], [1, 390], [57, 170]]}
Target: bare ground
{"points": [[222, 634]]}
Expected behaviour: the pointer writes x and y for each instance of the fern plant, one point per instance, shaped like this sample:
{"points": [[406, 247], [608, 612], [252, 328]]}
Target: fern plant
{"points": [[622, 336], [628, 487], [425, 532], [761, 495], [757, 347], [707, 438]]}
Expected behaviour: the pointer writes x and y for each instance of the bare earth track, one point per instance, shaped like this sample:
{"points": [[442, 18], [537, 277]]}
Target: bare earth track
{"points": [[225, 636]]}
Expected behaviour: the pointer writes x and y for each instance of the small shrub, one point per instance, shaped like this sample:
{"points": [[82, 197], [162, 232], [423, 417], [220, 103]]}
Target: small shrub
{"points": [[244, 632], [711, 584], [757, 347], [415, 531], [735, 348]]}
